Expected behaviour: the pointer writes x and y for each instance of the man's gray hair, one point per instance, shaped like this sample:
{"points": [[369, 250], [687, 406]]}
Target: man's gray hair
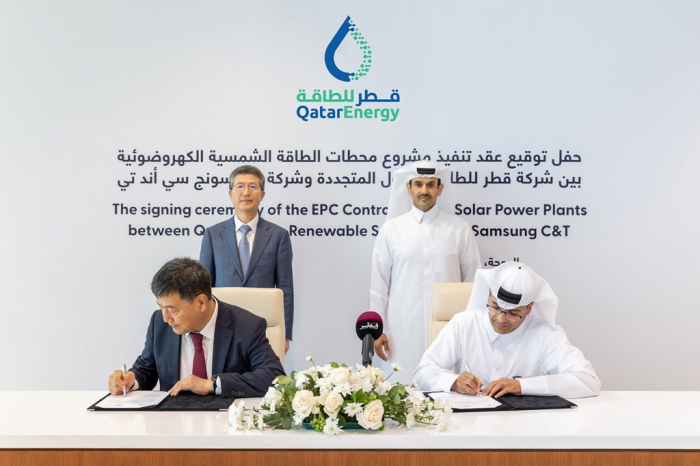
{"points": [[247, 170]]}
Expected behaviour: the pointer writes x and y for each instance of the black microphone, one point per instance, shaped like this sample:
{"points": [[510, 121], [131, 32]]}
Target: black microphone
{"points": [[369, 327]]}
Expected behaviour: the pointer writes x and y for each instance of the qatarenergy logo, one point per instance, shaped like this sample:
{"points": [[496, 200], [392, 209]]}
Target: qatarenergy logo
{"points": [[341, 103], [348, 27]]}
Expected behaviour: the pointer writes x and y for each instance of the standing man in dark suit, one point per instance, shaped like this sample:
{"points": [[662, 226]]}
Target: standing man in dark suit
{"points": [[198, 343], [247, 250]]}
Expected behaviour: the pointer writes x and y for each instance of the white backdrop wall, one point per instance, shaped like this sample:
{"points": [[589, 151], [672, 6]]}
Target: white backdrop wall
{"points": [[614, 83]]}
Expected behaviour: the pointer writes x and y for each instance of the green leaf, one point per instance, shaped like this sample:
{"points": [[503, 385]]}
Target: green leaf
{"points": [[397, 399], [384, 399], [284, 380], [394, 390], [402, 390], [341, 420], [381, 428], [334, 365], [286, 423], [360, 396]]}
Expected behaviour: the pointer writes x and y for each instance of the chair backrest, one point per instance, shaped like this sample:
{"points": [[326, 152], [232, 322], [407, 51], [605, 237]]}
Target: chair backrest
{"points": [[263, 302], [447, 300]]}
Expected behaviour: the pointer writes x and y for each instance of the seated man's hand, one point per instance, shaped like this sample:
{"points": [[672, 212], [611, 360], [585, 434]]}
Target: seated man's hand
{"points": [[119, 381], [502, 386], [466, 383], [193, 384], [381, 344]]}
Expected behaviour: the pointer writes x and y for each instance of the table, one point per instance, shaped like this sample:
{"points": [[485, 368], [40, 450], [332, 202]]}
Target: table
{"points": [[614, 428]]}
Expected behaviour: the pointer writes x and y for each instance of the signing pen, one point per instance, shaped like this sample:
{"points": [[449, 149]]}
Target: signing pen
{"points": [[124, 376], [469, 369]]}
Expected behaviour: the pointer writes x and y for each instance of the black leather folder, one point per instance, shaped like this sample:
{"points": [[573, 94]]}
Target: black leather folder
{"points": [[185, 401], [522, 403]]}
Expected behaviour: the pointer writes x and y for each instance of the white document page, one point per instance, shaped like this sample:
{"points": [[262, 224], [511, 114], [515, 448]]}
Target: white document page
{"points": [[461, 401], [132, 400]]}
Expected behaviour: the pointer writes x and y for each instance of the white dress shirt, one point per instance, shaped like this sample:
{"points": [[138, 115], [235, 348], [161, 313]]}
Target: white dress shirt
{"points": [[538, 353], [253, 224], [412, 252]]}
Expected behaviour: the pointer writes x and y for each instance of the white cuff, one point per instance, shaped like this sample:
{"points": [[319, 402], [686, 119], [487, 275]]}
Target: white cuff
{"points": [[534, 386], [445, 381]]}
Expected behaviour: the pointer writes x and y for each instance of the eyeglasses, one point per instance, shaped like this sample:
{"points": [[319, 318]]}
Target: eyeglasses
{"points": [[240, 187], [496, 311]]}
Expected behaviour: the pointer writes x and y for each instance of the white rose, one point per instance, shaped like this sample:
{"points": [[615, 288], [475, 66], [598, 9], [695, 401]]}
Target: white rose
{"points": [[272, 396], [339, 375], [371, 374], [371, 417], [322, 398], [303, 402], [333, 403]]}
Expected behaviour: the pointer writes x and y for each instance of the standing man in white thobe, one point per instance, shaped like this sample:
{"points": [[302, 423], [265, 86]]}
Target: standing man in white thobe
{"points": [[419, 245], [507, 342]]}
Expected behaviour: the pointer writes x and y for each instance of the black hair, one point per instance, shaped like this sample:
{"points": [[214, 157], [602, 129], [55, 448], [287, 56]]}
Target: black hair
{"points": [[184, 276]]}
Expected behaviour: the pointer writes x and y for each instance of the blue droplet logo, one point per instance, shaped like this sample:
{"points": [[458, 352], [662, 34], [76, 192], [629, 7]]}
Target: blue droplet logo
{"points": [[350, 27]]}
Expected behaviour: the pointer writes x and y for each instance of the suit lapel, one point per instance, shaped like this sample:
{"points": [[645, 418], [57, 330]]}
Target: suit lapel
{"points": [[228, 236], [223, 335], [262, 237], [172, 364]]}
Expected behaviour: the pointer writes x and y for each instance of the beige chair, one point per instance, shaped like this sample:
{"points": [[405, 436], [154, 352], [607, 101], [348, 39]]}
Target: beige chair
{"points": [[263, 302], [447, 300]]}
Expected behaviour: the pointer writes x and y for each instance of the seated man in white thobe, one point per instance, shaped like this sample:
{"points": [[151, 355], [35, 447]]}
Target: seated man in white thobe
{"points": [[507, 341]]}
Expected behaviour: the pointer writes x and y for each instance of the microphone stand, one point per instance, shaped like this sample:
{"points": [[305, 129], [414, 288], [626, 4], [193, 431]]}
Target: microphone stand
{"points": [[367, 350]]}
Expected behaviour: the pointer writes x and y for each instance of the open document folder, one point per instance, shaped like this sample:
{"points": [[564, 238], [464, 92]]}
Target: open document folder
{"points": [[132, 400], [161, 401], [507, 402], [462, 401]]}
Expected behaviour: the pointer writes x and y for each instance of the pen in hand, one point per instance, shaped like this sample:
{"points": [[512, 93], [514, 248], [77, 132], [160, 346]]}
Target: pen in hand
{"points": [[123, 377], [469, 369]]}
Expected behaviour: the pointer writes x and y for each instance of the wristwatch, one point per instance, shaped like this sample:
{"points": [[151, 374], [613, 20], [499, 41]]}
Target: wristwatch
{"points": [[213, 381]]}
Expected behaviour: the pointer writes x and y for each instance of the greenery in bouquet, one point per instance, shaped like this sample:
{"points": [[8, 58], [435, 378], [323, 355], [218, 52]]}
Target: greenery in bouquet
{"points": [[331, 396]]}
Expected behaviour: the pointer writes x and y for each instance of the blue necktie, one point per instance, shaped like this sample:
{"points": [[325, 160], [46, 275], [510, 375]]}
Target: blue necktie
{"points": [[244, 248]]}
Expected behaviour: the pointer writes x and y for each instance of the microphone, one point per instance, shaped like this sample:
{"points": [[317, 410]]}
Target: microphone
{"points": [[369, 327]]}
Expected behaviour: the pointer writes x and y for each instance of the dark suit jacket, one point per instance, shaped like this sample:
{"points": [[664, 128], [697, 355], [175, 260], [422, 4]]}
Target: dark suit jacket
{"points": [[270, 263], [242, 356]]}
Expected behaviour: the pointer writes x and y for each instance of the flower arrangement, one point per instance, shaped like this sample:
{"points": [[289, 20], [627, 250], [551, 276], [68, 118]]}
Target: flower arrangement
{"points": [[330, 397]]}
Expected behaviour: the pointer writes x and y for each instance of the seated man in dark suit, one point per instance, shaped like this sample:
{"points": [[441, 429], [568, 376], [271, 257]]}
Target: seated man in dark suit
{"points": [[198, 343], [247, 250]]}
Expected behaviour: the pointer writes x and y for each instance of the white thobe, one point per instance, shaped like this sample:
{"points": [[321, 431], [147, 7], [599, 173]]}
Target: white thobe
{"points": [[538, 353], [412, 253]]}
